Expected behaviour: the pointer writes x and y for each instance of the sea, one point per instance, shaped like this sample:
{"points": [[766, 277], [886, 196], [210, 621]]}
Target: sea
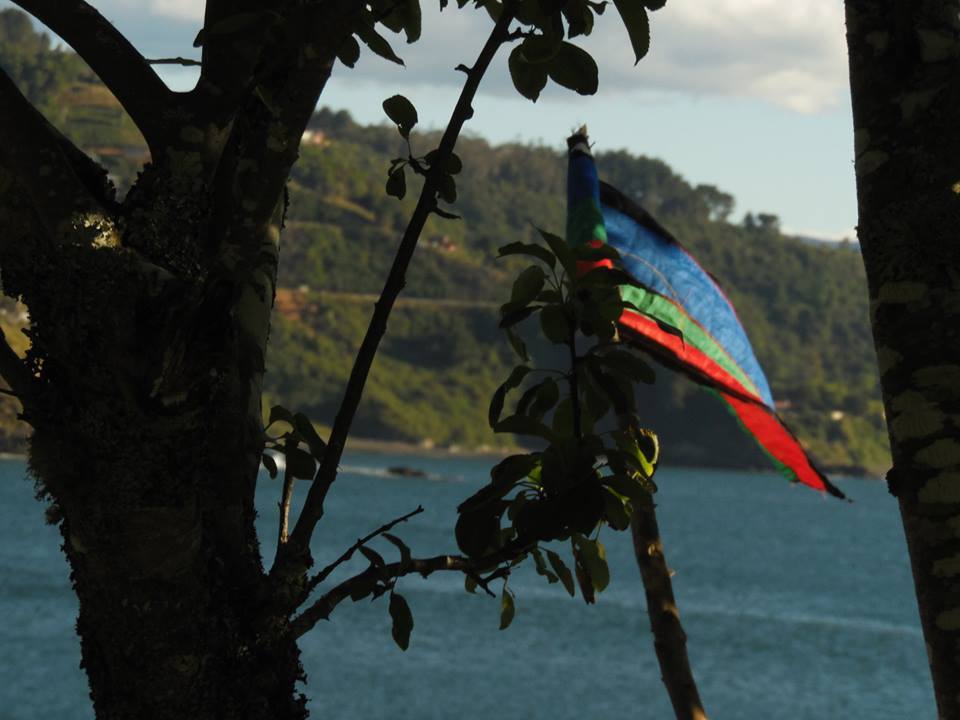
{"points": [[797, 606]]}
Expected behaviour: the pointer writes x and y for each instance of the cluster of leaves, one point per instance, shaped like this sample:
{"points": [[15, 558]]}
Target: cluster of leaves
{"points": [[295, 438], [546, 54], [585, 477], [402, 112]]}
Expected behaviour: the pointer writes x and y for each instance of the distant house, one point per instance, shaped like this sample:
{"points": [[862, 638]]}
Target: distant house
{"points": [[443, 242], [317, 138]]}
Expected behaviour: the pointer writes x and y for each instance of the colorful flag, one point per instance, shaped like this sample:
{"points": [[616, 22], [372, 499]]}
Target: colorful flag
{"points": [[683, 318]]}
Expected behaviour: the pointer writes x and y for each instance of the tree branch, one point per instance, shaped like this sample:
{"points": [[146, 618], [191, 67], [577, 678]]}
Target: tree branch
{"points": [[327, 472], [111, 56], [669, 639], [321, 609], [325, 573], [33, 152], [363, 583]]}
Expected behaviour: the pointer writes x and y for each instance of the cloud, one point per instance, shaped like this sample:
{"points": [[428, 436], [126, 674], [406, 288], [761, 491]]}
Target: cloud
{"points": [[791, 54], [178, 9]]}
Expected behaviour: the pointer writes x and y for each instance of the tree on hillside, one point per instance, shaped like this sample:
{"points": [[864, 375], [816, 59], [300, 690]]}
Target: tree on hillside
{"points": [[149, 326], [905, 85]]}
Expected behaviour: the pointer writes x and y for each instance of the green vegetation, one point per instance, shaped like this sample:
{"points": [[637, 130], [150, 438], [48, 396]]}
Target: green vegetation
{"points": [[804, 305]]}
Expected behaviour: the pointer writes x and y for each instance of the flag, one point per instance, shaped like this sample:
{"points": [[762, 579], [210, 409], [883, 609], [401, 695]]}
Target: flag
{"points": [[682, 317]]}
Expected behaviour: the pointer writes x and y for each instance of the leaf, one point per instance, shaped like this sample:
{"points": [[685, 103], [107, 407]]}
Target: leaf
{"points": [[527, 285], [621, 398], [579, 18], [596, 253], [376, 42], [627, 486], [303, 426], [519, 347], [507, 608], [375, 558], [279, 413], [668, 328], [404, 549], [550, 296], [300, 463], [541, 566], [521, 425], [562, 571], [574, 68], [349, 51], [397, 183], [402, 112], [648, 445], [605, 277], [402, 620], [654, 4], [514, 468], [496, 402], [530, 249], [540, 48], [614, 512], [528, 78], [594, 557], [453, 165], [447, 188], [363, 588], [634, 17], [270, 464], [627, 365], [412, 20], [445, 214], [469, 584], [546, 396], [475, 530], [555, 324], [510, 315], [562, 424], [561, 250]]}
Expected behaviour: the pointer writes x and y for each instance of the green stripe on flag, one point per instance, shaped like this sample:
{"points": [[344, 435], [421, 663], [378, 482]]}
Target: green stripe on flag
{"points": [[659, 307], [585, 223]]}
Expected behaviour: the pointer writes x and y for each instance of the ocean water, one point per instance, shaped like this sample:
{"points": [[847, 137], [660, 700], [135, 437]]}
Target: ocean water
{"points": [[797, 606]]}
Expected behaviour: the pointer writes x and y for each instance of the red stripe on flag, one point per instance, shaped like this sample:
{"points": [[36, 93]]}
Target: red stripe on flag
{"points": [[778, 441], [768, 430], [690, 358]]}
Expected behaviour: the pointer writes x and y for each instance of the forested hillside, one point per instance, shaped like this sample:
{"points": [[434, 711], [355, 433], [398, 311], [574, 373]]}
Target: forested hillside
{"points": [[804, 305]]}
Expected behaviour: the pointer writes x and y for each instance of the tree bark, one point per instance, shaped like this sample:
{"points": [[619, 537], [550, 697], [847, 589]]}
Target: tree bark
{"points": [[905, 86]]}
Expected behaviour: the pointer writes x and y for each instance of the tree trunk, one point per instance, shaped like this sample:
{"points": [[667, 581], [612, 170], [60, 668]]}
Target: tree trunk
{"points": [[147, 438], [669, 638], [905, 85]]}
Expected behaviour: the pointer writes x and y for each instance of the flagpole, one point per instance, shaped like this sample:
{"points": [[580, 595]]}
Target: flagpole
{"points": [[669, 638]]}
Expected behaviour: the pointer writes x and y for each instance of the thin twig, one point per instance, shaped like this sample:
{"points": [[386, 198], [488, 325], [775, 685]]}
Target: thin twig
{"points": [[327, 472], [286, 497], [323, 606], [188, 62], [669, 639], [325, 573]]}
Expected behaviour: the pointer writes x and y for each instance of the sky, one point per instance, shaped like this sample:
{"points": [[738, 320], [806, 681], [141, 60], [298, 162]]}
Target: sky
{"points": [[747, 95]]}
